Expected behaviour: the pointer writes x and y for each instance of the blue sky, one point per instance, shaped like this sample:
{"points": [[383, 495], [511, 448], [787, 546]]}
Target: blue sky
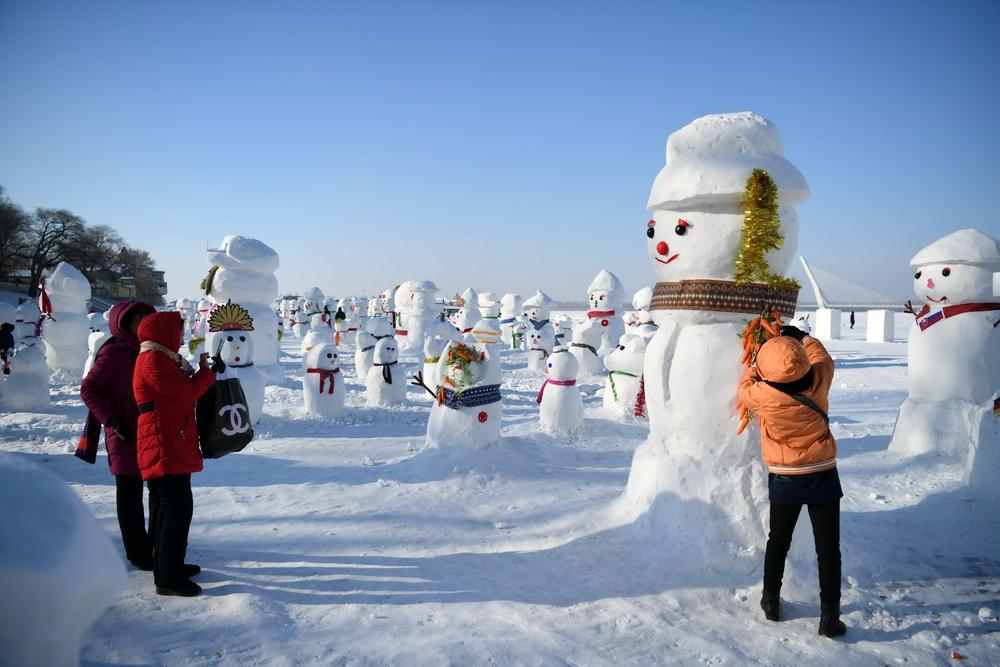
{"points": [[506, 145]]}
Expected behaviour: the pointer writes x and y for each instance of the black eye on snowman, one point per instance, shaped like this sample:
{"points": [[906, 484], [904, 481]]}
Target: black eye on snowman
{"points": [[329, 356], [229, 338], [946, 272], [243, 338], [682, 227], [650, 232], [916, 276], [621, 347]]}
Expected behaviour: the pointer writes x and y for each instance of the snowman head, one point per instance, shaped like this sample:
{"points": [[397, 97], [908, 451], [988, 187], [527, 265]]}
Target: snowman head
{"points": [[946, 284], [957, 268], [325, 357], [510, 304], [697, 223], [562, 365], [386, 351], [434, 346], [235, 348], [231, 325], [534, 338], [628, 356]]}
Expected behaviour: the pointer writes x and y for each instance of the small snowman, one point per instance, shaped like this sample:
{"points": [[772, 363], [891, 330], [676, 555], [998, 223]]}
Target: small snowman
{"points": [[350, 329], [624, 364], [953, 352], [517, 335], [65, 329], [587, 338], [489, 306], [231, 327], [563, 325], [381, 327], [511, 306], [359, 305], [302, 321], [468, 312], [318, 333], [486, 332], [26, 324], [26, 389], [644, 325], [323, 390], [364, 354], [604, 297], [560, 404], [537, 309], [98, 322], [467, 410], [539, 344], [385, 384]]}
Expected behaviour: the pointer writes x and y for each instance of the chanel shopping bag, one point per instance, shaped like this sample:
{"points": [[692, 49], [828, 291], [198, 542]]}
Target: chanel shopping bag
{"points": [[223, 419]]}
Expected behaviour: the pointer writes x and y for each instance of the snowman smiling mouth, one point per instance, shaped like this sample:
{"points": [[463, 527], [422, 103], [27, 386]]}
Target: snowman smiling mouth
{"points": [[662, 248], [941, 300]]}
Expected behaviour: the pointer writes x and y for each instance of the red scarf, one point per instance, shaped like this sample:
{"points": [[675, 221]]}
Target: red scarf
{"points": [[558, 383], [325, 375], [926, 319]]}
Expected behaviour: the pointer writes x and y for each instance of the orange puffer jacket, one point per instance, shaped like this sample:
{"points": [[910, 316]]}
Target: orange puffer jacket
{"points": [[794, 438]]}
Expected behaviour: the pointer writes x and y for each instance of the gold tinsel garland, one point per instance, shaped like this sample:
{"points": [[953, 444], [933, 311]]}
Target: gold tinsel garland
{"points": [[761, 232]]}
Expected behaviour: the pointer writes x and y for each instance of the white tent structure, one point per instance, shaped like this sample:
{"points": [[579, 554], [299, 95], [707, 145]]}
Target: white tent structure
{"points": [[833, 294]]}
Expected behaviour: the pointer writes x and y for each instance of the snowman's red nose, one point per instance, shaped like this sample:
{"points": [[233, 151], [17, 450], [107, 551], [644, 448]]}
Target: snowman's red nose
{"points": [[930, 283], [662, 248]]}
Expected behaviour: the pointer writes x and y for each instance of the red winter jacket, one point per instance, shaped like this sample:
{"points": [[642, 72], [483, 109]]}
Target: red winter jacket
{"points": [[107, 389], [167, 435]]}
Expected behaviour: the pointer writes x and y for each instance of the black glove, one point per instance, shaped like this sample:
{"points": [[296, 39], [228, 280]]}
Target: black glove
{"points": [[218, 365], [793, 332], [116, 425]]}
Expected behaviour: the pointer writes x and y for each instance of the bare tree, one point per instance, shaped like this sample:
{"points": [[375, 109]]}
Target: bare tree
{"points": [[52, 233], [14, 223]]}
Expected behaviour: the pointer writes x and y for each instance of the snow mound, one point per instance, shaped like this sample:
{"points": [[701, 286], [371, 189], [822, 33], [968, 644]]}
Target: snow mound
{"points": [[59, 570]]}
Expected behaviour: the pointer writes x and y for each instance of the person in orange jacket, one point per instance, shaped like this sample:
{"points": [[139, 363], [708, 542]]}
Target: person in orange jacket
{"points": [[788, 389], [166, 391]]}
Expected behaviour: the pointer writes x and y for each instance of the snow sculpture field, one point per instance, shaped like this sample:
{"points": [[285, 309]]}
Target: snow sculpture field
{"points": [[345, 542]]}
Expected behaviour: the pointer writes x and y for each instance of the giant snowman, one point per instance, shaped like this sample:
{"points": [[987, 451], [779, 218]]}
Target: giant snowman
{"points": [[697, 483], [243, 272], [65, 327], [953, 351]]}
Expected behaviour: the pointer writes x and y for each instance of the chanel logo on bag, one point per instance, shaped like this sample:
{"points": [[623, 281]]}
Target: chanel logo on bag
{"points": [[237, 423]]}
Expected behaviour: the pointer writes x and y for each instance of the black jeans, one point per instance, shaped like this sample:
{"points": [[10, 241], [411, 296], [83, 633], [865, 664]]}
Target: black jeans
{"points": [[138, 542], [826, 534], [173, 521]]}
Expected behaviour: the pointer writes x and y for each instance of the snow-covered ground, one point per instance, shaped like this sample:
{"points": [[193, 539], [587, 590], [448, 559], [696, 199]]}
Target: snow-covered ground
{"points": [[344, 542]]}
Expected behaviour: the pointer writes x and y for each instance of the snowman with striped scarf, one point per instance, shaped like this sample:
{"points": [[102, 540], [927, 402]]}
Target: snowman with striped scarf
{"points": [[467, 409]]}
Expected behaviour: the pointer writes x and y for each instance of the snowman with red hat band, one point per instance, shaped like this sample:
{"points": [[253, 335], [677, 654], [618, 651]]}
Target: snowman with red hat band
{"points": [[604, 298]]}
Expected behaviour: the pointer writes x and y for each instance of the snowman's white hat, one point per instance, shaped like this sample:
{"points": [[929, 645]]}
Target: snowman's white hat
{"points": [[240, 252], [605, 281], [539, 299], [422, 286], [710, 159], [966, 246]]}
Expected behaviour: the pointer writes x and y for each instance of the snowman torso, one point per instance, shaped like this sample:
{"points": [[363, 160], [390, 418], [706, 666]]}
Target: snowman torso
{"points": [[560, 403], [322, 383], [472, 415]]}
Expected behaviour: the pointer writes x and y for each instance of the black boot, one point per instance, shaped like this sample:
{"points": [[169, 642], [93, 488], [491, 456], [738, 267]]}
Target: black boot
{"points": [[830, 624], [771, 604], [188, 589]]}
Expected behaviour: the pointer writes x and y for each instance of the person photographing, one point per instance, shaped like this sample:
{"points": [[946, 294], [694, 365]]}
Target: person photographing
{"points": [[788, 389]]}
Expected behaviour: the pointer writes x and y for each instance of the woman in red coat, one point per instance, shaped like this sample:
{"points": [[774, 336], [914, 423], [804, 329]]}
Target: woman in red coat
{"points": [[166, 390], [107, 393]]}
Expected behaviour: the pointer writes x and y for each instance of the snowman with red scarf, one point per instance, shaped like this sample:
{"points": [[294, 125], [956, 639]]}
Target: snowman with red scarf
{"points": [[605, 297], [953, 351]]}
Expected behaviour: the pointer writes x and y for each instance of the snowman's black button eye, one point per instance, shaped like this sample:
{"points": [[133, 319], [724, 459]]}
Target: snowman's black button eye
{"points": [[650, 232], [243, 338], [946, 272], [680, 230], [916, 275], [229, 338], [329, 356], [621, 347]]}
